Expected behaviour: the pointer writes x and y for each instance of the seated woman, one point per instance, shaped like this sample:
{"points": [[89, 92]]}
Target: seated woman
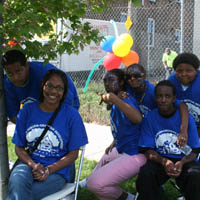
{"points": [[143, 91], [121, 160], [46, 170]]}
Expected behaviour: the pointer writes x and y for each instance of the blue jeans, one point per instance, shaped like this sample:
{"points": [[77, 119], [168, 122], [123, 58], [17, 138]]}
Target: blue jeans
{"points": [[23, 187]]}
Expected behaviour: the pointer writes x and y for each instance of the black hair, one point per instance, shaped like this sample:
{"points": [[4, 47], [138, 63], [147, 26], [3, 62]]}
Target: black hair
{"points": [[13, 56], [186, 58], [140, 67], [47, 76], [120, 75], [165, 83]]}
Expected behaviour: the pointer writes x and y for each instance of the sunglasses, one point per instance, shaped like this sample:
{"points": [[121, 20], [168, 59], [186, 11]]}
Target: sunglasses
{"points": [[134, 75]]}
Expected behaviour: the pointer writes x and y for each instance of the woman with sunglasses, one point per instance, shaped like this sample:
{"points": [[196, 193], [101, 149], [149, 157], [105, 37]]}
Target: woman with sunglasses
{"points": [[143, 91], [46, 170], [121, 160]]}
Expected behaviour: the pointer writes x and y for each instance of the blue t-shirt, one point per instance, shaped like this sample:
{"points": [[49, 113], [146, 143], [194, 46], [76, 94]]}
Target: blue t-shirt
{"points": [[148, 103], [67, 133], [31, 91], [190, 96], [160, 134], [125, 133]]}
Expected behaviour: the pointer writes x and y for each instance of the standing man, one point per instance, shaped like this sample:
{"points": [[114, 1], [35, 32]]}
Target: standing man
{"points": [[167, 59], [22, 82], [166, 159]]}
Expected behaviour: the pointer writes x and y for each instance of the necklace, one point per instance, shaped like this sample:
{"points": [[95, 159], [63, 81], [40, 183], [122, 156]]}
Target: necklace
{"points": [[140, 100]]}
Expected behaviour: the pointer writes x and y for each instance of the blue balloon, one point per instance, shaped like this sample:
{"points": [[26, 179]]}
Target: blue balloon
{"points": [[107, 42]]}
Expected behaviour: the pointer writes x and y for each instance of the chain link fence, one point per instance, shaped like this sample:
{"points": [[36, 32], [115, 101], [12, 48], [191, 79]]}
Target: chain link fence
{"points": [[156, 26]]}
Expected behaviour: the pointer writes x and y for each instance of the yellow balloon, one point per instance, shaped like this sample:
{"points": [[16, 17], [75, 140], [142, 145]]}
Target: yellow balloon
{"points": [[121, 48], [127, 38]]}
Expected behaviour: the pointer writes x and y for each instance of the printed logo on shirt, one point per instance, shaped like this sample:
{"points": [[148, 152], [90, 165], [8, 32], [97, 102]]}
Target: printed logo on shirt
{"points": [[166, 142], [50, 144], [27, 100], [194, 110]]}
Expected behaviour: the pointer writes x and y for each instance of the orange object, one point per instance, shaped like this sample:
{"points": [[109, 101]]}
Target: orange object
{"points": [[131, 58]]}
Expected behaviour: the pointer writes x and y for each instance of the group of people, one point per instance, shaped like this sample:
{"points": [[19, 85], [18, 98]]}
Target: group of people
{"points": [[48, 117], [154, 137], [155, 130]]}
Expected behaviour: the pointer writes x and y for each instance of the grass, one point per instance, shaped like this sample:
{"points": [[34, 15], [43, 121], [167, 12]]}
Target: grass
{"points": [[90, 110], [88, 166]]}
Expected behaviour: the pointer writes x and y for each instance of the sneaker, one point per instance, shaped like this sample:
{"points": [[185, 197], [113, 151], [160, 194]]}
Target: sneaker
{"points": [[83, 183], [130, 196], [180, 198]]}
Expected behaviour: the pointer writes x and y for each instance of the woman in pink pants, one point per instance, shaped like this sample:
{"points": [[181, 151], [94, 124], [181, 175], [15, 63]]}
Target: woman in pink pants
{"points": [[121, 160]]}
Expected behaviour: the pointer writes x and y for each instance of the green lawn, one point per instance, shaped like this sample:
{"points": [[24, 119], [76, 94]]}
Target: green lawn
{"points": [[88, 166]]}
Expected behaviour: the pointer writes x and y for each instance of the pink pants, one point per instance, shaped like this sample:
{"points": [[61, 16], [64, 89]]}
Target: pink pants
{"points": [[113, 169]]}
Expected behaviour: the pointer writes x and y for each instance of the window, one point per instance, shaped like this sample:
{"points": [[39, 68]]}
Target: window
{"points": [[151, 32], [177, 35], [153, 1], [178, 1]]}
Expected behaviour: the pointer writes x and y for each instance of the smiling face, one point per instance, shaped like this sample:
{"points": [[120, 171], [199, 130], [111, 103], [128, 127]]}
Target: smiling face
{"points": [[165, 98], [135, 77], [17, 74], [53, 91], [185, 73]]}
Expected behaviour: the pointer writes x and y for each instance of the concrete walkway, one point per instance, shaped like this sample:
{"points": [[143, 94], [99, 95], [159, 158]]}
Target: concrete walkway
{"points": [[99, 137]]}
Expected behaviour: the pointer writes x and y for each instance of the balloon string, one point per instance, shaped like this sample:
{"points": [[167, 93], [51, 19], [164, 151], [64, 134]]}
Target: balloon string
{"points": [[115, 28], [90, 75]]}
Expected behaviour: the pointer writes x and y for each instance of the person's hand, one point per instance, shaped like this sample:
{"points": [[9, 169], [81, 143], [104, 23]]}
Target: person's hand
{"points": [[109, 149], [39, 172], [182, 139], [123, 94], [178, 166], [170, 168], [107, 98]]}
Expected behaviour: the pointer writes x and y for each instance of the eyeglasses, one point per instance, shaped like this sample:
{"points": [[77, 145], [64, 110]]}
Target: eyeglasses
{"points": [[134, 75], [49, 86]]}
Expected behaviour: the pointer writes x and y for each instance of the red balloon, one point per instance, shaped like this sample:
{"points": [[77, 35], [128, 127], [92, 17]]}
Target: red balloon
{"points": [[111, 61], [131, 58]]}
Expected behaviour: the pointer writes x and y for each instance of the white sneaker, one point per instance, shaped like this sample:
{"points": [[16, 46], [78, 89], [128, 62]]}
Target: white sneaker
{"points": [[130, 196], [180, 198], [83, 183]]}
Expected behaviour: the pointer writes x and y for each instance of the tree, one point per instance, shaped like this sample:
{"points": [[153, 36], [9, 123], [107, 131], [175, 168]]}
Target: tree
{"points": [[22, 20]]}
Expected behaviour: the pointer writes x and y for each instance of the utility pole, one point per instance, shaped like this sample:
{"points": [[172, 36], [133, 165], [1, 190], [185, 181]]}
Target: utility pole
{"points": [[4, 169]]}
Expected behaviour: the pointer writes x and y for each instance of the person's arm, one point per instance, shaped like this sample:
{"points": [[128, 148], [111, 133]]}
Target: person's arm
{"points": [[131, 113], [183, 135], [168, 165], [24, 156], [74, 95], [63, 162], [111, 146], [13, 120], [179, 164]]}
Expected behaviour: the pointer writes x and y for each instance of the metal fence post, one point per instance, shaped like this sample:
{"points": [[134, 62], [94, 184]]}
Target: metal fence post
{"points": [[182, 27]]}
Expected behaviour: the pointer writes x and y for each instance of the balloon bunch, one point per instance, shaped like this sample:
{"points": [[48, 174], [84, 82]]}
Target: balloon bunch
{"points": [[118, 51]]}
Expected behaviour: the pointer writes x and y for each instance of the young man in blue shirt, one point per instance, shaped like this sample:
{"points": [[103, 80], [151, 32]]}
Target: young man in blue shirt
{"points": [[22, 82], [187, 82], [158, 140]]}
